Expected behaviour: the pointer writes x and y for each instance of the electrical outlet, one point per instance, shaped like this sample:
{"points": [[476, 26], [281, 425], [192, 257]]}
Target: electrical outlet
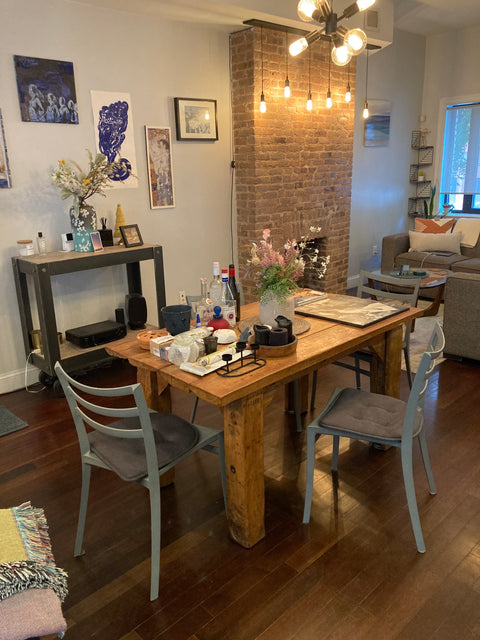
{"points": [[374, 249], [182, 297]]}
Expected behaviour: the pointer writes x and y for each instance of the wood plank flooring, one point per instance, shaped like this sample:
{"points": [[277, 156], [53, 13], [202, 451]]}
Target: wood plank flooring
{"points": [[352, 573]]}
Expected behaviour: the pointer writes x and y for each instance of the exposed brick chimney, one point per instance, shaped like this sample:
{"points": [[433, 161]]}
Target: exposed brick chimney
{"points": [[293, 167]]}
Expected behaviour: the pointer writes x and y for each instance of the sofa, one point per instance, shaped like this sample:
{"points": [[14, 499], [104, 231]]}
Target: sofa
{"points": [[457, 250]]}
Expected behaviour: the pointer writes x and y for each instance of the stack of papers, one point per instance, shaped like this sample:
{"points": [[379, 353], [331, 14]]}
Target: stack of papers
{"points": [[308, 295]]}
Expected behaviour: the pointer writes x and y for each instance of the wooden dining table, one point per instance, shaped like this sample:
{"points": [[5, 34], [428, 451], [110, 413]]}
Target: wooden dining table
{"points": [[243, 400]]}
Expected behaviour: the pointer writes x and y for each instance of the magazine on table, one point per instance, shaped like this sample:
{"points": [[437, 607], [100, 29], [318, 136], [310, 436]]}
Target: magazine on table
{"points": [[305, 296]]}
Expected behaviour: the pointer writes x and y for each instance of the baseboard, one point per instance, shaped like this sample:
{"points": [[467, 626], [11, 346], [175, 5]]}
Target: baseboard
{"points": [[15, 380]]}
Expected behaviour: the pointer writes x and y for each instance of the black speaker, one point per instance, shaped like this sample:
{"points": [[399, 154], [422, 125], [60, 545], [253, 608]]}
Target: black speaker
{"points": [[120, 315], [136, 308]]}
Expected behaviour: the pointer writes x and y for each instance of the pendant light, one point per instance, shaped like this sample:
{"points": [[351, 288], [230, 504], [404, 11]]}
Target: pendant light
{"points": [[348, 93], [329, 94], [286, 91], [263, 104], [309, 101], [365, 113]]}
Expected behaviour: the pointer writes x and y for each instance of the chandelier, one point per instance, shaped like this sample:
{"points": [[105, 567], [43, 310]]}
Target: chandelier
{"points": [[345, 43]]}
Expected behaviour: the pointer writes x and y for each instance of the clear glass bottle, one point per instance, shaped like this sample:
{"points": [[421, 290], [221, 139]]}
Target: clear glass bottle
{"points": [[228, 300], [215, 290], [204, 307], [235, 290], [42, 244]]}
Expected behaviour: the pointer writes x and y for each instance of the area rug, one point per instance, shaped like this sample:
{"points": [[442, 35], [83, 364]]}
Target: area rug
{"points": [[9, 422], [421, 335]]}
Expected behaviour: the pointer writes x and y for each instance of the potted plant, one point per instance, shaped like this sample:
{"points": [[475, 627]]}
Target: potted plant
{"points": [[428, 208]]}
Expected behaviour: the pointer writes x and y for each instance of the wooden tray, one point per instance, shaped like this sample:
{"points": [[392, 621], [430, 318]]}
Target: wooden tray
{"points": [[266, 351]]}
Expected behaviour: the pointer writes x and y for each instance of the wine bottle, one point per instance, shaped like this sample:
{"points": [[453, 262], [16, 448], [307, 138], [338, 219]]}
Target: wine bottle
{"points": [[235, 290], [228, 301]]}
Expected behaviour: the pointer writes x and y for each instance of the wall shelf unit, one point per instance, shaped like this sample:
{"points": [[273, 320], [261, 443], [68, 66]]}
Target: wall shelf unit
{"points": [[41, 269], [422, 185]]}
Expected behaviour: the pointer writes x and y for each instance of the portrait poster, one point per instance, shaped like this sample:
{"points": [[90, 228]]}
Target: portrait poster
{"points": [[46, 90], [377, 125], [5, 178], [160, 172], [112, 117]]}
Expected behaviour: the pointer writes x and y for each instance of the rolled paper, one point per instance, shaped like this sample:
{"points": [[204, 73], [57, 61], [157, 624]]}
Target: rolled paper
{"points": [[285, 323], [278, 337], [262, 333]]}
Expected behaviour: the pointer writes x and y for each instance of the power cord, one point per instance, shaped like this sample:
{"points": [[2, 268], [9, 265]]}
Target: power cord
{"points": [[26, 372]]}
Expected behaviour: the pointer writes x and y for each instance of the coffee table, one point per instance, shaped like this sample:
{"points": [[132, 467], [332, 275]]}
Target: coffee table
{"points": [[433, 278]]}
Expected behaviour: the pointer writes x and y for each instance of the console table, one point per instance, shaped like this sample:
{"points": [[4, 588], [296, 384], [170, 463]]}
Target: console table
{"points": [[41, 268]]}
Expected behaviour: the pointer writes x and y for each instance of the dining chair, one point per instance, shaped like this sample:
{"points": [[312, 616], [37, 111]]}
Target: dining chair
{"points": [[141, 445], [363, 415], [386, 288]]}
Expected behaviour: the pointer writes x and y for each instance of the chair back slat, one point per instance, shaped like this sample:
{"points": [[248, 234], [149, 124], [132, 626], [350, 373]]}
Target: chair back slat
{"points": [[389, 287]]}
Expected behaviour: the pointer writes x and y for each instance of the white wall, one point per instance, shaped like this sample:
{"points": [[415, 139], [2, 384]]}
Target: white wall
{"points": [[153, 60], [380, 181]]}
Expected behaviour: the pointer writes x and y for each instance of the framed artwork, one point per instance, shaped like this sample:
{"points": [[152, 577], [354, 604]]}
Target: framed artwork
{"points": [[46, 90], [131, 235], [112, 117], [376, 131], [196, 119], [5, 177], [159, 161], [96, 241]]}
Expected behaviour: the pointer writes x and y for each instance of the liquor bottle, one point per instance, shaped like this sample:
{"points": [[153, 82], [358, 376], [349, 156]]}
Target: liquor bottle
{"points": [[215, 292], [235, 290], [204, 307], [42, 244], [228, 301]]}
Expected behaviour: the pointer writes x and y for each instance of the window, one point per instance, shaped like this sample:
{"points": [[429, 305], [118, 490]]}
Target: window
{"points": [[460, 178]]}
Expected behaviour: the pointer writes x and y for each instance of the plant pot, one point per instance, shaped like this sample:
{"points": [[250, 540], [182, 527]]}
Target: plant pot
{"points": [[270, 307]]}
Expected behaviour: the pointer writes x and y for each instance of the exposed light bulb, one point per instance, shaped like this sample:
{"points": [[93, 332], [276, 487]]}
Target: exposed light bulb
{"points": [[329, 100], [341, 56], [263, 104], [364, 4], [348, 94], [207, 115], [365, 113], [305, 9], [286, 91], [356, 40], [309, 101], [298, 46]]}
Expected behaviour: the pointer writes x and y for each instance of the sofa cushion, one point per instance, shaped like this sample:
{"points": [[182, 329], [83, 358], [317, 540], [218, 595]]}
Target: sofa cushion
{"points": [[469, 229], [428, 225], [470, 265], [427, 260], [435, 241]]}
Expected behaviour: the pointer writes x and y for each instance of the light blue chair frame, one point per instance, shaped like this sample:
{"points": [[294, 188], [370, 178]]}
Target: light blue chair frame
{"points": [[151, 481], [414, 407]]}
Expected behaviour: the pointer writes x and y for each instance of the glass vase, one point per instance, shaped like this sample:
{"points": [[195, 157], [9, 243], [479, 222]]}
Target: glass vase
{"points": [[272, 306], [83, 220]]}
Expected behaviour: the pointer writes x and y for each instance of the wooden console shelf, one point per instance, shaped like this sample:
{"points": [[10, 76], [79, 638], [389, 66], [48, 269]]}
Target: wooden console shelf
{"points": [[42, 267]]}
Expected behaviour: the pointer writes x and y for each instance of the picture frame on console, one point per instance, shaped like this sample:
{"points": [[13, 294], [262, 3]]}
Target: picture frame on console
{"points": [[196, 119], [131, 235]]}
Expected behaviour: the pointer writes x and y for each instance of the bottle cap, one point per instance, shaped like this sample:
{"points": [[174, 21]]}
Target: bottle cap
{"points": [[217, 312], [216, 268], [224, 274], [40, 234]]}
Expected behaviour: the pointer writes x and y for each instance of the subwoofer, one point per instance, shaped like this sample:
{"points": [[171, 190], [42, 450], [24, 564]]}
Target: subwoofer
{"points": [[136, 309]]}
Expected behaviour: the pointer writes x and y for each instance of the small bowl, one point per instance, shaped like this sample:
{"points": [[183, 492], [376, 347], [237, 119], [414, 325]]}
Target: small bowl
{"points": [[144, 337], [266, 351]]}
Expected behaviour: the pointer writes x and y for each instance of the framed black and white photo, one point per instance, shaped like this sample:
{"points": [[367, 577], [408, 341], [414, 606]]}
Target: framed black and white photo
{"points": [[376, 132], [196, 119], [131, 235], [159, 161]]}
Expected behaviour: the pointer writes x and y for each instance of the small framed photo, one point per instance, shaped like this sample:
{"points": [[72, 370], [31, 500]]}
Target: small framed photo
{"points": [[96, 241], [196, 119], [131, 235]]}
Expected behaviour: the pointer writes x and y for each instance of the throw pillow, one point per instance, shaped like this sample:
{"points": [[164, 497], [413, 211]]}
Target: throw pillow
{"points": [[428, 225], [434, 242]]}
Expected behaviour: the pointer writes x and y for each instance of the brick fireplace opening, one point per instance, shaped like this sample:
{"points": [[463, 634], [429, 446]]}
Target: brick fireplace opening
{"points": [[293, 168]]}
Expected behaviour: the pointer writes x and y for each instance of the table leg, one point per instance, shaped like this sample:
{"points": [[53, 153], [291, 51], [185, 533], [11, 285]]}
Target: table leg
{"points": [[243, 427], [432, 310], [158, 397], [386, 367]]}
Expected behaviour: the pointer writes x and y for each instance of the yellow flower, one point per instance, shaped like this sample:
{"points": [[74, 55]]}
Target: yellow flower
{"points": [[86, 181], [62, 162]]}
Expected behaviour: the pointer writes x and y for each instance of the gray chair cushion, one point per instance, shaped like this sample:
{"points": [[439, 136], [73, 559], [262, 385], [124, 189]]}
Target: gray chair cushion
{"points": [[126, 457], [368, 414]]}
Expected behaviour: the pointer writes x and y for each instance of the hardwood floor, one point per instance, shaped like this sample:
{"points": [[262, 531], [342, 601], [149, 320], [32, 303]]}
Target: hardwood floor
{"points": [[354, 572]]}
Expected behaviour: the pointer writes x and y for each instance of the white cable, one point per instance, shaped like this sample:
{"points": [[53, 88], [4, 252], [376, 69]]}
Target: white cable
{"points": [[26, 371]]}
